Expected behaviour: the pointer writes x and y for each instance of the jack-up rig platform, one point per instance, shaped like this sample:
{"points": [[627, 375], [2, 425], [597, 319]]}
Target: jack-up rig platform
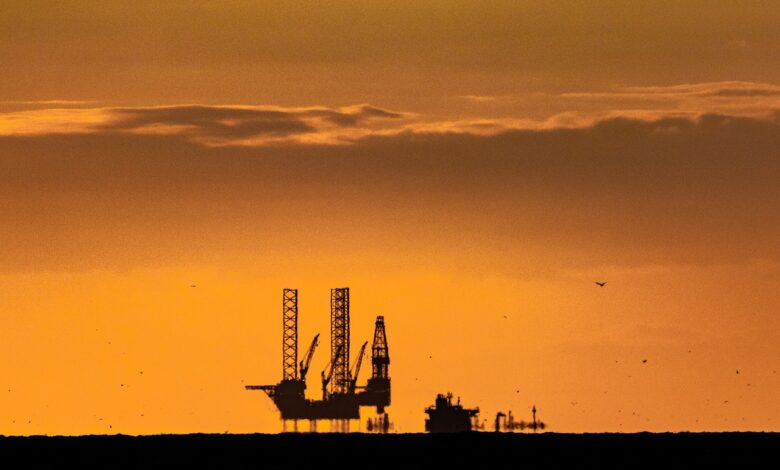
{"points": [[341, 396]]}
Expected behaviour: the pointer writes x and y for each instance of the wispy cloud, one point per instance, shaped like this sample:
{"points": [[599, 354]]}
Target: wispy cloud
{"points": [[728, 89], [669, 107], [736, 97], [210, 125], [48, 102]]}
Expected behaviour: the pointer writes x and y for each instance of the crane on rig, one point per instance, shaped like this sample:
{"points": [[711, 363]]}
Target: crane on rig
{"points": [[304, 365], [326, 378], [353, 374]]}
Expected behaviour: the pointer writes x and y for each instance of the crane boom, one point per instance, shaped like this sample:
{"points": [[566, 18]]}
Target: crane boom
{"points": [[304, 365], [356, 368], [326, 378]]}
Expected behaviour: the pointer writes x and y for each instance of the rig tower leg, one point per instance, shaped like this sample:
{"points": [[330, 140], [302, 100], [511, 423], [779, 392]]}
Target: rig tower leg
{"points": [[339, 339], [290, 334]]}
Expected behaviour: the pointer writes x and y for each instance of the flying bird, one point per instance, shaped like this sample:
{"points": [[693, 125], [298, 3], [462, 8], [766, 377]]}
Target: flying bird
{"points": [[644, 361], [193, 285], [601, 284]]}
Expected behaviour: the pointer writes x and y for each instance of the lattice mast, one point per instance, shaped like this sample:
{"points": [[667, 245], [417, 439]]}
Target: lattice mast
{"points": [[290, 334], [380, 355], [339, 339]]}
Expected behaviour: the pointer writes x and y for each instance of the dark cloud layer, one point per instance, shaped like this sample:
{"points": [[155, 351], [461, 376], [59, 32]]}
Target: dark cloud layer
{"points": [[623, 191]]}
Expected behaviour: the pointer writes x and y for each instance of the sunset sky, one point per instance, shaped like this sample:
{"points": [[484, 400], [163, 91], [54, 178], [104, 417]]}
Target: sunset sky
{"points": [[468, 169]]}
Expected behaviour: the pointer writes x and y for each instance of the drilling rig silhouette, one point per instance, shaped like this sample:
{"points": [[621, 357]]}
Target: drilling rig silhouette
{"points": [[341, 396]]}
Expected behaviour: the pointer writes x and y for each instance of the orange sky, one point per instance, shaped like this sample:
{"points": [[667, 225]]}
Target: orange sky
{"points": [[467, 169]]}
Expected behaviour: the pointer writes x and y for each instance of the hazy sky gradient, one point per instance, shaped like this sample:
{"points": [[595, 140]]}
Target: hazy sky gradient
{"points": [[468, 169]]}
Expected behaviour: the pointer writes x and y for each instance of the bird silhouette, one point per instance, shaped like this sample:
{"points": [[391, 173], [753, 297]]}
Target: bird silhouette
{"points": [[193, 285], [644, 361], [601, 284]]}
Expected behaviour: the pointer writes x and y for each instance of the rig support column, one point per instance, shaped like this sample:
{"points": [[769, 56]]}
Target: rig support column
{"points": [[290, 334], [339, 339]]}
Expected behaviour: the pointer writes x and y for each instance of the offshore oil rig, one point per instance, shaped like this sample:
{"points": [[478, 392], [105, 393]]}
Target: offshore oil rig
{"points": [[341, 396]]}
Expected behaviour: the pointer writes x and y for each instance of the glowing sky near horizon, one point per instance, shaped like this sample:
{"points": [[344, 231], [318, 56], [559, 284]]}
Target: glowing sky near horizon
{"points": [[468, 169]]}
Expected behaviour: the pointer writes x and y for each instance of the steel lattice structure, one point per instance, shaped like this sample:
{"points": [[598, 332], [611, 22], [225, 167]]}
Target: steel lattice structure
{"points": [[339, 339], [290, 334], [380, 355]]}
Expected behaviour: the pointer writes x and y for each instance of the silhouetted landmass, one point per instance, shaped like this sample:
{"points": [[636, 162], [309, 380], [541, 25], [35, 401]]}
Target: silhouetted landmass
{"points": [[401, 451]]}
